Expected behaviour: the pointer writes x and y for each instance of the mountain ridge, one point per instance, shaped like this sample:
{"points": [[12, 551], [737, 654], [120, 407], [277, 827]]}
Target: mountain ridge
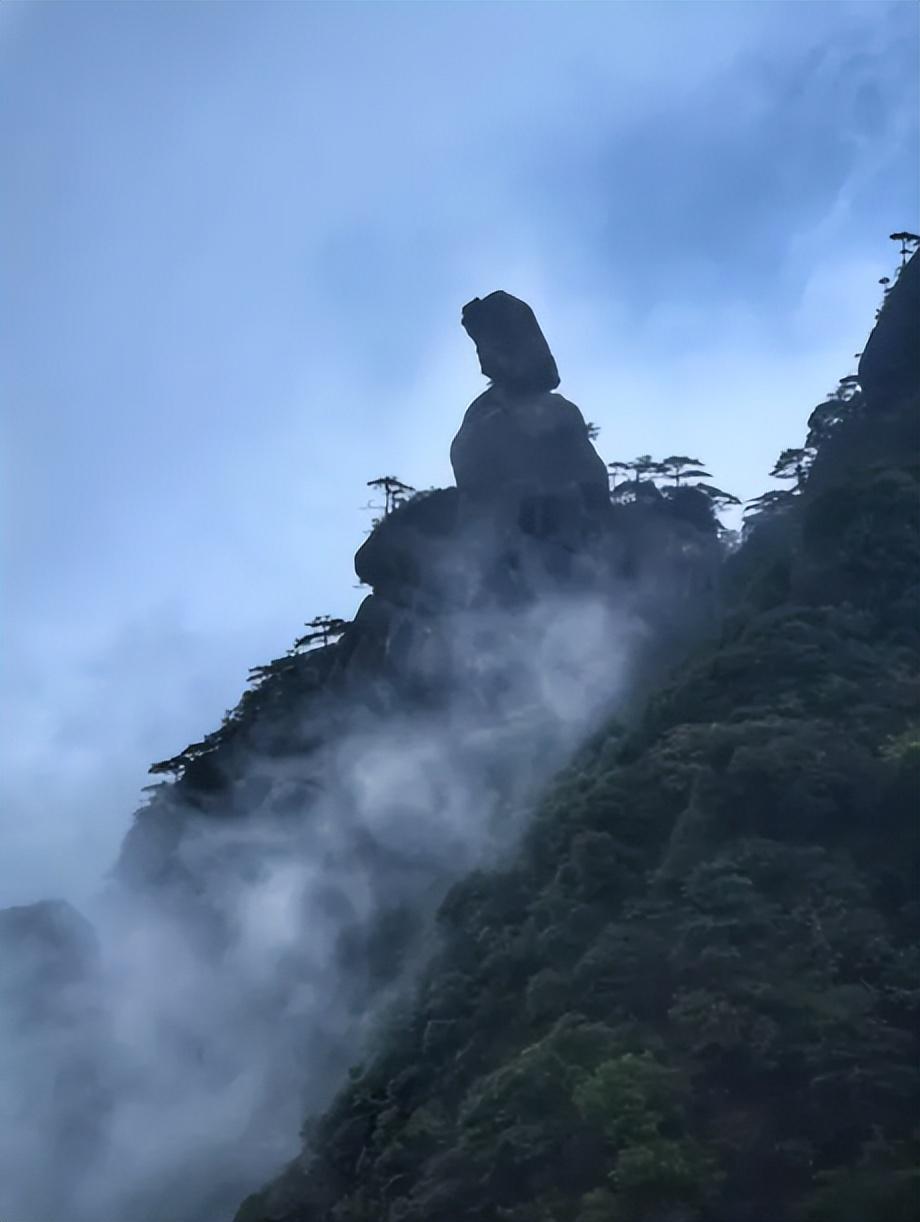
{"points": [[692, 994], [542, 986]]}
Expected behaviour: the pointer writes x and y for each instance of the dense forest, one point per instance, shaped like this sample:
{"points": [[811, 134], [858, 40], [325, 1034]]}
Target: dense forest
{"points": [[691, 993]]}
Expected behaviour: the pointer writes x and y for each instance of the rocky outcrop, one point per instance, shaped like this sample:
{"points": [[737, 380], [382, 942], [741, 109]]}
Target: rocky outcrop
{"points": [[530, 517], [889, 369], [511, 446], [882, 420], [530, 487], [512, 350], [405, 547], [520, 444]]}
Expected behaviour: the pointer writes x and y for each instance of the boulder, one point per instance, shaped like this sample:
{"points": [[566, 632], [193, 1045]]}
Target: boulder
{"points": [[509, 446], [401, 552], [511, 347]]}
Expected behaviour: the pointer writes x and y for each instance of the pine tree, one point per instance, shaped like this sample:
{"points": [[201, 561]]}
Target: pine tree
{"points": [[777, 499], [680, 466], [395, 492], [325, 628], [909, 244], [794, 464], [718, 499], [644, 466]]}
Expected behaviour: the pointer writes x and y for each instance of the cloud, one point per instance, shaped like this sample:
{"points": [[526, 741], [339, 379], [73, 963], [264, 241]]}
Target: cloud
{"points": [[240, 237], [213, 1016]]}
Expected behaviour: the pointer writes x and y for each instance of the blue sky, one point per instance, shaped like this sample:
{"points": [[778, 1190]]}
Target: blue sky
{"points": [[236, 238]]}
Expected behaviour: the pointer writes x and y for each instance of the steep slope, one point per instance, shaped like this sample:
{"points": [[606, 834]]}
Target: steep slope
{"points": [[280, 888], [693, 993]]}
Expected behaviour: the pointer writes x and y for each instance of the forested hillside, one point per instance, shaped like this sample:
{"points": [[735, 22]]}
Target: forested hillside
{"points": [[278, 891], [691, 995]]}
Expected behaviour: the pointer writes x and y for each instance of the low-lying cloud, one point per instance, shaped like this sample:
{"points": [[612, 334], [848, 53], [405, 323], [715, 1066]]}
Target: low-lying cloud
{"points": [[170, 1073]]}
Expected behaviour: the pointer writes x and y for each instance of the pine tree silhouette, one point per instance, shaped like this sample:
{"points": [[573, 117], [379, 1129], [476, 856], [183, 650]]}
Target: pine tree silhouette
{"points": [[325, 628], [395, 492]]}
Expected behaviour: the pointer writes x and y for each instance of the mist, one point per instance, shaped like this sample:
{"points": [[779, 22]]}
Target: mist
{"points": [[236, 238], [239, 237], [197, 1027]]}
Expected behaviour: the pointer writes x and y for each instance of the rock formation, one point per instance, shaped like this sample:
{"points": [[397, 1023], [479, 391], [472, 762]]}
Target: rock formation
{"points": [[889, 369], [530, 515], [885, 410], [518, 438], [509, 343], [512, 443]]}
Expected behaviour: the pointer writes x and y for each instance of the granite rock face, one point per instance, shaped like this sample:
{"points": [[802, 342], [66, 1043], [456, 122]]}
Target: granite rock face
{"points": [[530, 516], [889, 368], [406, 544], [511, 348], [540, 442], [522, 451], [886, 419], [530, 487]]}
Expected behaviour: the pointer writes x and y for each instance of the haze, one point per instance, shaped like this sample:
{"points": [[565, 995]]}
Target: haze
{"points": [[236, 239]]}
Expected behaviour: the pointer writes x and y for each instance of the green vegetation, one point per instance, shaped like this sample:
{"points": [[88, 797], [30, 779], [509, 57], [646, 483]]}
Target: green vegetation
{"points": [[276, 690], [323, 629], [693, 994]]}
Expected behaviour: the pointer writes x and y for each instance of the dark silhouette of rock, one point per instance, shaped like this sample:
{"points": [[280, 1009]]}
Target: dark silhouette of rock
{"points": [[511, 347], [530, 490], [511, 445], [403, 546], [518, 440], [889, 379], [889, 369]]}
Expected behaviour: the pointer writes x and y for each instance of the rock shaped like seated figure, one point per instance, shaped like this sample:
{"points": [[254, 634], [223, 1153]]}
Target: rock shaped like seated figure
{"points": [[518, 438], [511, 348]]}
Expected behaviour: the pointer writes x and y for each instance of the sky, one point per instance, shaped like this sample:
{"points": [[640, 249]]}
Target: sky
{"points": [[235, 239]]}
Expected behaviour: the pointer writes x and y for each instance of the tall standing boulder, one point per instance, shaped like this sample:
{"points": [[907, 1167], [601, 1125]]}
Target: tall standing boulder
{"points": [[511, 348], [518, 439], [510, 445]]}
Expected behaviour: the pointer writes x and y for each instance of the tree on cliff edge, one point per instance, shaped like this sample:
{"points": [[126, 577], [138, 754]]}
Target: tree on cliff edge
{"points": [[395, 492]]}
